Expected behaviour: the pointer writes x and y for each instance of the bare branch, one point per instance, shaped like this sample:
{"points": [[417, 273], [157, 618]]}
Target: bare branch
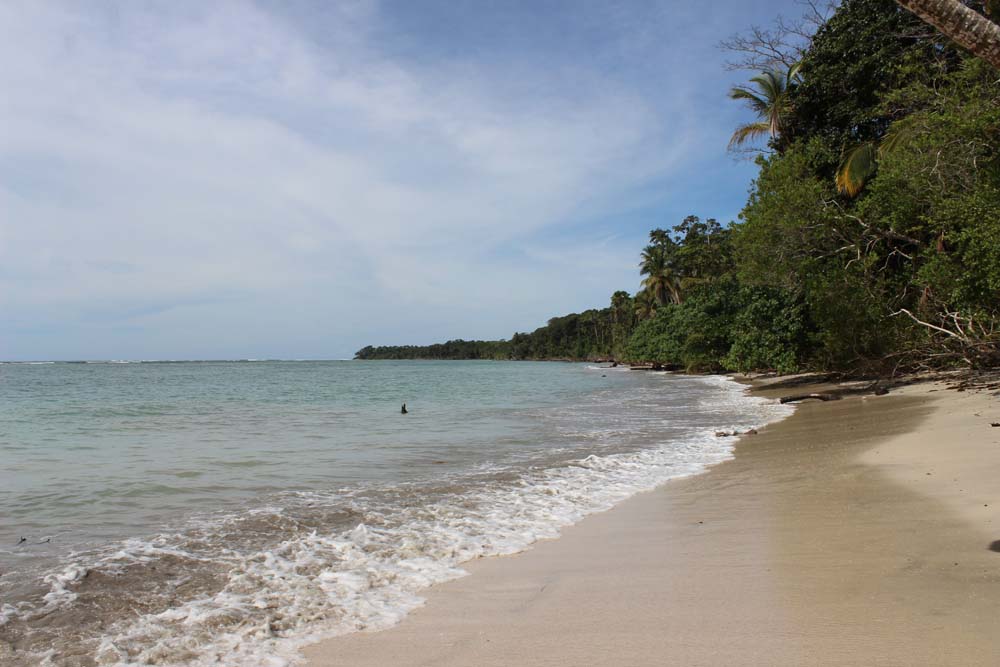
{"points": [[780, 46], [913, 317]]}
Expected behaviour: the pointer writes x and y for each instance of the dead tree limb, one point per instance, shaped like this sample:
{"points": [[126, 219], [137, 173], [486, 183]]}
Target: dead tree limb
{"points": [[795, 398]]}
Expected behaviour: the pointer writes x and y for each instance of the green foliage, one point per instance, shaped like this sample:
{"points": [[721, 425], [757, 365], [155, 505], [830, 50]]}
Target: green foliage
{"points": [[917, 249], [867, 49], [592, 334], [723, 326], [788, 218], [453, 349], [702, 326], [690, 254], [771, 330], [892, 260]]}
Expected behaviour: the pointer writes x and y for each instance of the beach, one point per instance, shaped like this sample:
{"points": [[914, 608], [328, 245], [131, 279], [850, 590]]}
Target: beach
{"points": [[855, 532], [246, 509]]}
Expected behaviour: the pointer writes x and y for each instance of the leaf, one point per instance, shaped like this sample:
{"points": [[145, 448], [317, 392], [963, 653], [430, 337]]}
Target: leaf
{"points": [[748, 132], [856, 168]]}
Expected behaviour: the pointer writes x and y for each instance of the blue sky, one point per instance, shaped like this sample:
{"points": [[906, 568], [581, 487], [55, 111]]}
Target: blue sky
{"points": [[295, 180]]}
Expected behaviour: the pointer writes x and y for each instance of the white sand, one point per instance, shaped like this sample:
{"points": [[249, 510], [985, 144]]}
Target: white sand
{"points": [[823, 543]]}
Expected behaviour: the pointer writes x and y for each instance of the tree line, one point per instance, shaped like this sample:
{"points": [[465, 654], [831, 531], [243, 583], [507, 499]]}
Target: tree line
{"points": [[870, 241]]}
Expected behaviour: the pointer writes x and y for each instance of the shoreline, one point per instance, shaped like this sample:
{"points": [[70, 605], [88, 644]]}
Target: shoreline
{"points": [[822, 542]]}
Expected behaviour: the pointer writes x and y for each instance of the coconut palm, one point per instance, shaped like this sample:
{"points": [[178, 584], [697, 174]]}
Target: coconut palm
{"points": [[661, 281], [965, 26], [770, 99], [645, 305]]}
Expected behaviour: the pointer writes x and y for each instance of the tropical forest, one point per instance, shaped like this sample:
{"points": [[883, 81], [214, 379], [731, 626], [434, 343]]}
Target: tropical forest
{"points": [[870, 240]]}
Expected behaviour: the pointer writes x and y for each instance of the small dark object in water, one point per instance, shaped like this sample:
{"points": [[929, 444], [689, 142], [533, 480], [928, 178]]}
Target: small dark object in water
{"points": [[403, 409], [22, 540], [752, 431], [881, 391], [995, 546], [604, 376], [45, 541], [994, 424]]}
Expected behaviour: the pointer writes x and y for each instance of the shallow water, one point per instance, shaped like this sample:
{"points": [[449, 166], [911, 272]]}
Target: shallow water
{"points": [[226, 512]]}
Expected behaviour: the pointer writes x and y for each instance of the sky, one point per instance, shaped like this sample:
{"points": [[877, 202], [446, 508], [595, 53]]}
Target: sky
{"points": [[230, 180]]}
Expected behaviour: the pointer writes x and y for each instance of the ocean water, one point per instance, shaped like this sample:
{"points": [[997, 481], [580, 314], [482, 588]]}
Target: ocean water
{"points": [[207, 513]]}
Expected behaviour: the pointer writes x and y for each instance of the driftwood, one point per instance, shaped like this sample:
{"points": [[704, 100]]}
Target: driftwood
{"points": [[794, 398]]}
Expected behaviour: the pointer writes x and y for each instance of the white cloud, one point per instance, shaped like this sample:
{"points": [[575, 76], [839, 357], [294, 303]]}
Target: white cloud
{"points": [[158, 158]]}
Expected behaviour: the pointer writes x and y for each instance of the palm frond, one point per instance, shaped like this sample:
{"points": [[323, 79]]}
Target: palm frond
{"points": [[757, 103], [769, 83], [856, 168], [898, 134], [793, 74], [748, 132]]}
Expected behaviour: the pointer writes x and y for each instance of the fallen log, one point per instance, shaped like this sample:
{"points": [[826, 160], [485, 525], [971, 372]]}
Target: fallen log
{"points": [[795, 398]]}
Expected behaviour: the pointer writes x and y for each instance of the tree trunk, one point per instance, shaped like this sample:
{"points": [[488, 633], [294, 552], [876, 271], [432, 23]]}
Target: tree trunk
{"points": [[965, 26]]}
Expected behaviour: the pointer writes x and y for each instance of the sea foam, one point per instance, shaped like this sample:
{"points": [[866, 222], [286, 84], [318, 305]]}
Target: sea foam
{"points": [[270, 601]]}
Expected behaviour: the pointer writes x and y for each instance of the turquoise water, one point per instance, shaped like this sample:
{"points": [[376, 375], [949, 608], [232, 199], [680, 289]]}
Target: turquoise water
{"points": [[95, 451], [176, 511]]}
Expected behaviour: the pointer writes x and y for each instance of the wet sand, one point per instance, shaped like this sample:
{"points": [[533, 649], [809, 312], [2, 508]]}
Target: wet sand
{"points": [[823, 542]]}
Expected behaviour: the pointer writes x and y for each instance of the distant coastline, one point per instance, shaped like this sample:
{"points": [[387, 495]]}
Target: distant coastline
{"points": [[466, 350]]}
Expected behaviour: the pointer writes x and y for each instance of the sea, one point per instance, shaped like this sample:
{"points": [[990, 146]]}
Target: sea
{"points": [[227, 513]]}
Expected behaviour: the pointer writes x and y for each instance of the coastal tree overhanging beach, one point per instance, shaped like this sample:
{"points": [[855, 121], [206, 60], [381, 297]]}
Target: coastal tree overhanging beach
{"points": [[973, 30], [870, 241]]}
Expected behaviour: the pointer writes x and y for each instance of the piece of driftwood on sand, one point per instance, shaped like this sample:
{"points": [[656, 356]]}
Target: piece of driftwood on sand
{"points": [[795, 398]]}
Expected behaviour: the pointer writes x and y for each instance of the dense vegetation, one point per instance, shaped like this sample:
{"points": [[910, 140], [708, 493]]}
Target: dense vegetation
{"points": [[871, 238], [592, 334]]}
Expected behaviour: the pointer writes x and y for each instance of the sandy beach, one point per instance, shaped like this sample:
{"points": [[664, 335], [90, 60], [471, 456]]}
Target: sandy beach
{"points": [[856, 532]]}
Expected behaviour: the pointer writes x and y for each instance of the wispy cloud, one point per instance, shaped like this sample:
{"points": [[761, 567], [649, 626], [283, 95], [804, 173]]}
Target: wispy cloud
{"points": [[192, 153]]}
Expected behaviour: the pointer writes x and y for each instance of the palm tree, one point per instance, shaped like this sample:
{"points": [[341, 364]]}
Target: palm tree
{"points": [[621, 304], [661, 281], [965, 26], [770, 99], [645, 305]]}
